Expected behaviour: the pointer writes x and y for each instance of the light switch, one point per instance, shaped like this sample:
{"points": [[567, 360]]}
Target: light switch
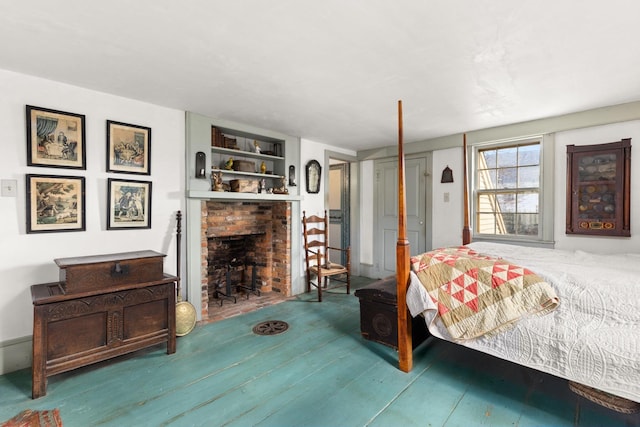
{"points": [[9, 187], [446, 197]]}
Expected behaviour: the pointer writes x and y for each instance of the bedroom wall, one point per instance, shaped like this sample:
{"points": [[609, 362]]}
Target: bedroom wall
{"points": [[590, 136], [27, 259], [448, 219], [314, 204]]}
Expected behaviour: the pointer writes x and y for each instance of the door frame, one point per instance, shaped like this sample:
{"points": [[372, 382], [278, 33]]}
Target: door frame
{"points": [[354, 208]]}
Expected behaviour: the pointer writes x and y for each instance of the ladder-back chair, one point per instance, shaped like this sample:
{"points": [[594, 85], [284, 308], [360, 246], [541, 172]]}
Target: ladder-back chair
{"points": [[317, 259]]}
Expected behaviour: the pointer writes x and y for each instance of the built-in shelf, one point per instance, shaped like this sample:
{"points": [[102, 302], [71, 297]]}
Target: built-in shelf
{"points": [[241, 153], [250, 174], [231, 196]]}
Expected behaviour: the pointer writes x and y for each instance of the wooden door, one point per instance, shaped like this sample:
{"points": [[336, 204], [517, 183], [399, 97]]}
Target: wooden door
{"points": [[386, 219]]}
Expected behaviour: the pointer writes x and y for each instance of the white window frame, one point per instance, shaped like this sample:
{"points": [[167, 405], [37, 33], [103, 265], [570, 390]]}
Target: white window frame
{"points": [[546, 190]]}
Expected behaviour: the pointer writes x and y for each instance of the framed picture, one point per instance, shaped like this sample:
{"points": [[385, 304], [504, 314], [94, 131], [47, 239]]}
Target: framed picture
{"points": [[128, 148], [129, 204], [55, 138], [313, 170], [55, 203]]}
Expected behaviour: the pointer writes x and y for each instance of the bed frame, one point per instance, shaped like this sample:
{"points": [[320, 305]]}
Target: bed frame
{"points": [[403, 262], [403, 265]]}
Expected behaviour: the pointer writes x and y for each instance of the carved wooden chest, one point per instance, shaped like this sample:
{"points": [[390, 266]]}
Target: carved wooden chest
{"points": [[379, 314], [108, 306], [87, 273]]}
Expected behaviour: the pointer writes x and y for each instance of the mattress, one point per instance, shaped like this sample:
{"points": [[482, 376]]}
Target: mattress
{"points": [[592, 338]]}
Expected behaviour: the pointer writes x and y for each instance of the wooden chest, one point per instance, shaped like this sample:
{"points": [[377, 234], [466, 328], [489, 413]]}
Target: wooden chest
{"points": [[108, 306], [91, 273], [379, 314], [244, 185]]}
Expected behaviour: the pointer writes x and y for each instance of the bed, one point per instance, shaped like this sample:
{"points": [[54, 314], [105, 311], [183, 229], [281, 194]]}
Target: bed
{"points": [[590, 338]]}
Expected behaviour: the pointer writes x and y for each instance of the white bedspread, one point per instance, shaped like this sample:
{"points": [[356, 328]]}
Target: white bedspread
{"points": [[593, 337]]}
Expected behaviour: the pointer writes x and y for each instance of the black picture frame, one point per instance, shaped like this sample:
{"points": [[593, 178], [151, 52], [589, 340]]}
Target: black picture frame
{"points": [[55, 139], [314, 174], [55, 203], [128, 148], [128, 204]]}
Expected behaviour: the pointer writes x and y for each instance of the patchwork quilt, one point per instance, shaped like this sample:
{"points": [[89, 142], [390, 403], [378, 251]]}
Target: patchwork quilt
{"points": [[477, 294]]}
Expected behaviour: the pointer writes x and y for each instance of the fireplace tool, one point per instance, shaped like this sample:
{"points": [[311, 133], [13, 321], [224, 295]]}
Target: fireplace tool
{"points": [[185, 311]]}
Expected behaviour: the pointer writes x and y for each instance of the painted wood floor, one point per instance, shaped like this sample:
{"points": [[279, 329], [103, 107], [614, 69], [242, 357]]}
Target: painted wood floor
{"points": [[318, 373]]}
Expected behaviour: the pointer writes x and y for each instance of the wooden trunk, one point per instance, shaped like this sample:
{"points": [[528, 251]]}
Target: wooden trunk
{"points": [[89, 273], [97, 315], [379, 314]]}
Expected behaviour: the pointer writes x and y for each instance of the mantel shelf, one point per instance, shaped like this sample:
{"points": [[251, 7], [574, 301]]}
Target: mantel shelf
{"points": [[230, 196]]}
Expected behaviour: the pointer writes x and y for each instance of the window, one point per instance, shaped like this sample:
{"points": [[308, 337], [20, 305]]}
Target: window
{"points": [[508, 190]]}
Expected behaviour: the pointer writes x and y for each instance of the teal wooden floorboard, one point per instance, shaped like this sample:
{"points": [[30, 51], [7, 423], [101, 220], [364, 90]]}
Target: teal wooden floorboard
{"points": [[318, 373]]}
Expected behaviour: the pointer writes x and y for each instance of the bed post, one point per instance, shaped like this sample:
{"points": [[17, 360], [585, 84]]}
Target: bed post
{"points": [[466, 231], [405, 347]]}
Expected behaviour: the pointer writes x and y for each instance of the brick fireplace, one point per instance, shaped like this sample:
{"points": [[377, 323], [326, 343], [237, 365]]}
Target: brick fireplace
{"points": [[262, 229]]}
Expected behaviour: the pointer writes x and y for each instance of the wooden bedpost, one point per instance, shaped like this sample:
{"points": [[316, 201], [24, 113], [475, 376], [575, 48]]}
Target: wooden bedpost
{"points": [[405, 345], [466, 230]]}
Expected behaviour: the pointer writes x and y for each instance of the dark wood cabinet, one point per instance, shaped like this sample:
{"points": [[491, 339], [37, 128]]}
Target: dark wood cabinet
{"points": [[598, 189], [104, 306]]}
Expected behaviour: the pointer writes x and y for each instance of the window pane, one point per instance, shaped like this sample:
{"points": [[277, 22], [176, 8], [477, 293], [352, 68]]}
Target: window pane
{"points": [[508, 157], [486, 223], [506, 203], [529, 177], [528, 203], [486, 202], [507, 177], [528, 224], [505, 223], [487, 179], [529, 155], [487, 159]]}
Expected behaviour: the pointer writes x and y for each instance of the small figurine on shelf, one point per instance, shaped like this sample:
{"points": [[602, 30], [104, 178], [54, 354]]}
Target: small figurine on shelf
{"points": [[283, 187], [256, 146], [217, 181], [229, 164], [263, 168]]}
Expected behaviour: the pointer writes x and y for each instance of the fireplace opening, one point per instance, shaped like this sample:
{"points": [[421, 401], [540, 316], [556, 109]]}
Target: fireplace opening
{"points": [[246, 256], [234, 264]]}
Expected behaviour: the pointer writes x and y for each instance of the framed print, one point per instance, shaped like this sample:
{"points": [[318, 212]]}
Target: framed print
{"points": [[55, 138], [128, 148], [129, 204], [313, 176], [55, 203]]}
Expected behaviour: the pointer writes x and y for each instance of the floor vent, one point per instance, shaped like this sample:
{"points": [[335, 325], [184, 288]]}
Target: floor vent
{"points": [[270, 327]]}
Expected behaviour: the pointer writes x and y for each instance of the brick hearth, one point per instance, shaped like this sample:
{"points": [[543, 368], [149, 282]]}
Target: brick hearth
{"points": [[272, 220]]}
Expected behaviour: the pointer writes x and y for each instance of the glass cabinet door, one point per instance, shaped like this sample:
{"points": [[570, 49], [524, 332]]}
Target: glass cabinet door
{"points": [[598, 189]]}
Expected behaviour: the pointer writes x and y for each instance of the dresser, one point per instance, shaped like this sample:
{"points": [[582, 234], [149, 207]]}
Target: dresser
{"points": [[103, 306]]}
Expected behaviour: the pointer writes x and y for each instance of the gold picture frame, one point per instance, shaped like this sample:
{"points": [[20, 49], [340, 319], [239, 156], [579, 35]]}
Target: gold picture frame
{"points": [[55, 138], [55, 203]]}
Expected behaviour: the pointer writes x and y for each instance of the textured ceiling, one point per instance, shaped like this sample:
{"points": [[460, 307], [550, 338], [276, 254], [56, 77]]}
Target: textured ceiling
{"points": [[332, 71]]}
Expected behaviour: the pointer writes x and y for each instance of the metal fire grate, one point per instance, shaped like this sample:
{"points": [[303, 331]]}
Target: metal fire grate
{"points": [[270, 327]]}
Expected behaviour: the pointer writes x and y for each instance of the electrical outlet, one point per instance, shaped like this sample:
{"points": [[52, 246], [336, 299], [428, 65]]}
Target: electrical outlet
{"points": [[446, 197], [9, 187]]}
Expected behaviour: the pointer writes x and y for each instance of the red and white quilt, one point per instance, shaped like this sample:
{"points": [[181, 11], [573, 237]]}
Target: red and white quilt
{"points": [[477, 294]]}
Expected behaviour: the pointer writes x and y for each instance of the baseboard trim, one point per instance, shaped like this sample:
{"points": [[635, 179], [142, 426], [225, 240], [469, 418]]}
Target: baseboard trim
{"points": [[15, 354]]}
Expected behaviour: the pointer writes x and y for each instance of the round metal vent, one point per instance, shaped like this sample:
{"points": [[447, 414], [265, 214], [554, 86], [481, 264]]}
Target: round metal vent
{"points": [[270, 327]]}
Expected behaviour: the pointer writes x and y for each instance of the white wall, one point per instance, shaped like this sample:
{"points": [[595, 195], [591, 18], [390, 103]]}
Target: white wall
{"points": [[590, 136], [27, 259], [447, 215], [315, 204]]}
